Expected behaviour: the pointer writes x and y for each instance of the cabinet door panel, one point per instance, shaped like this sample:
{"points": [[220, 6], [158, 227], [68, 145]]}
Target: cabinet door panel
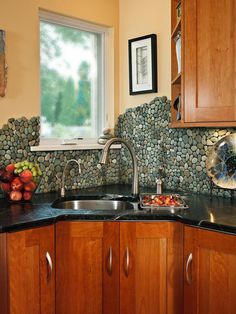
{"points": [[84, 284], [148, 298], [151, 268], [213, 272], [209, 60], [3, 275], [31, 283]]}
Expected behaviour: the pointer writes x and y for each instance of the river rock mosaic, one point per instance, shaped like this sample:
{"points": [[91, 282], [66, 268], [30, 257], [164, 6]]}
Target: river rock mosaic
{"points": [[18, 135], [180, 153]]}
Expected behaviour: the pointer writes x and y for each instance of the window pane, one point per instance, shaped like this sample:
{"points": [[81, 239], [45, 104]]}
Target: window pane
{"points": [[71, 82]]}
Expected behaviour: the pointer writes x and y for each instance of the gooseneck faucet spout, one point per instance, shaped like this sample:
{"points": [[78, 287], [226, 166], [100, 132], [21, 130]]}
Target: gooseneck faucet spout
{"points": [[63, 190], [103, 160]]}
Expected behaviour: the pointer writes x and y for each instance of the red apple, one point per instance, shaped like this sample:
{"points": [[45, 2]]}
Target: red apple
{"points": [[31, 186], [27, 195], [15, 195], [16, 184], [6, 187], [26, 176], [10, 168], [2, 172], [6, 177]]}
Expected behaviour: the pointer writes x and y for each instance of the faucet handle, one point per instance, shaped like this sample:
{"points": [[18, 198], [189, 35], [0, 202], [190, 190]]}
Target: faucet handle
{"points": [[79, 165], [159, 186], [58, 178]]}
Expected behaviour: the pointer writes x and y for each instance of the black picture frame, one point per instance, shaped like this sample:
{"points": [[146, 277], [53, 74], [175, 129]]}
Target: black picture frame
{"points": [[143, 65]]}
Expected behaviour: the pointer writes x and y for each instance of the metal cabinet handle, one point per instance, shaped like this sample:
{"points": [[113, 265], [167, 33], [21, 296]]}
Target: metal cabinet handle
{"points": [[49, 262], [109, 261], [127, 261], [189, 261]]}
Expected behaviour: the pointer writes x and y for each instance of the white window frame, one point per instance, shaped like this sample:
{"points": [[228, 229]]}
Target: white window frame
{"points": [[108, 75]]}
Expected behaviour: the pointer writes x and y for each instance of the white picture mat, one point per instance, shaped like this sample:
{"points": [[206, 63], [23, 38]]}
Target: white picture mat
{"points": [[148, 84]]}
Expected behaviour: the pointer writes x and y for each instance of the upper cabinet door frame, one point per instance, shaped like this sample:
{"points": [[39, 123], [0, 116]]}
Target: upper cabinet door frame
{"points": [[209, 60]]}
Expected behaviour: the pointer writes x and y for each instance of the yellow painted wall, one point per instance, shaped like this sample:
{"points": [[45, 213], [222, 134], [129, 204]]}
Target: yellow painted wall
{"points": [[139, 18], [20, 20]]}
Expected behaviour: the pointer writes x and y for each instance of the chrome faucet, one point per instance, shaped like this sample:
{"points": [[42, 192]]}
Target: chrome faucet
{"points": [[103, 160], [63, 190]]}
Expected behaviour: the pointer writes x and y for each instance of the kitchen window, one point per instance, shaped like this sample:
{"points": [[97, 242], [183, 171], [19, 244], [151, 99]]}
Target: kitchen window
{"points": [[76, 78]]}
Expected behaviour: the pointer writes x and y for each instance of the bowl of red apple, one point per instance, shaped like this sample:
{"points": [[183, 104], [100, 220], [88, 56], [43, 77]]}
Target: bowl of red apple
{"points": [[19, 181]]}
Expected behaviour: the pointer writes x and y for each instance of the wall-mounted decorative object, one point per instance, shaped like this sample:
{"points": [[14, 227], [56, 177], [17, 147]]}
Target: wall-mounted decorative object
{"points": [[221, 162], [3, 65], [143, 65]]}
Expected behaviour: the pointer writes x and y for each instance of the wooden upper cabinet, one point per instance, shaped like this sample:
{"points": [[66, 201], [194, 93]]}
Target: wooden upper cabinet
{"points": [[209, 65], [87, 274], [150, 268], [31, 268], [210, 279]]}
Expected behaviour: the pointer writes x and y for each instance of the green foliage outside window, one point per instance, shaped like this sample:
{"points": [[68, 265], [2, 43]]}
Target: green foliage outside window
{"points": [[65, 98]]}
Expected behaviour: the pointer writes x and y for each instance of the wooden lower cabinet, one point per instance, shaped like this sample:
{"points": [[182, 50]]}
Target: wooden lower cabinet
{"points": [[126, 268], [210, 272], [151, 268], [87, 275], [27, 257], [117, 268], [93, 268]]}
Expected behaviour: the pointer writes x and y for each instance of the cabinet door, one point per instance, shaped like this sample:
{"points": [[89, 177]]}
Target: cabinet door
{"points": [[30, 257], [209, 60], [210, 279], [87, 274], [151, 268]]}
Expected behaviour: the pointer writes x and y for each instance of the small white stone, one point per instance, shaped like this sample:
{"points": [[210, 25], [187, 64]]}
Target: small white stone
{"points": [[209, 143], [106, 131]]}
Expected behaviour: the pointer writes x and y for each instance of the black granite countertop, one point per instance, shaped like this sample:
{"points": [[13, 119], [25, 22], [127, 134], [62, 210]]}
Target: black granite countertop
{"points": [[217, 213]]}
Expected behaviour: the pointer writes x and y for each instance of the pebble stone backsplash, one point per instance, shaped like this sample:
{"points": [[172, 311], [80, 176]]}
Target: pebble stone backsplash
{"points": [[181, 153], [18, 135]]}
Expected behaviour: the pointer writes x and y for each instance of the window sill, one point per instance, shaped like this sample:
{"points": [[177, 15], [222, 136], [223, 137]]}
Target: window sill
{"points": [[81, 146]]}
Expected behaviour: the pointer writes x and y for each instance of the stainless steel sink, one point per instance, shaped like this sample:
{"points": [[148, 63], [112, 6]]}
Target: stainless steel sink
{"points": [[92, 204]]}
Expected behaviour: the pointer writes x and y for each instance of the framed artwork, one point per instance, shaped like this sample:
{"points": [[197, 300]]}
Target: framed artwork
{"points": [[3, 66], [143, 65]]}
